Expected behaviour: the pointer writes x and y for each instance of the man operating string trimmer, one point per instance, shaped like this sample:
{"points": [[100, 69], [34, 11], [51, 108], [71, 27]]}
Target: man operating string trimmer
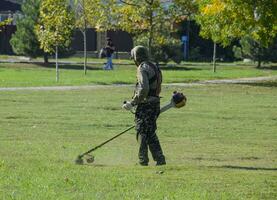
{"points": [[147, 101], [146, 98]]}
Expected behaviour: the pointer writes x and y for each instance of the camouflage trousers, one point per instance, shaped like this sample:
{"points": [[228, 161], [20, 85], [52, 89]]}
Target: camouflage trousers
{"points": [[145, 118]]}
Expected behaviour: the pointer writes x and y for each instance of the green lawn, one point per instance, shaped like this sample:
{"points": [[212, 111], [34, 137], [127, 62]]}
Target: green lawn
{"points": [[222, 145], [14, 75]]}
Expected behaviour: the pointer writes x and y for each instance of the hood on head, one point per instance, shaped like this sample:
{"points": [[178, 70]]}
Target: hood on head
{"points": [[140, 54]]}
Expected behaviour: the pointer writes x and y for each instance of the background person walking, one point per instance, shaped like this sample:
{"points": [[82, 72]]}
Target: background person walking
{"points": [[110, 48]]}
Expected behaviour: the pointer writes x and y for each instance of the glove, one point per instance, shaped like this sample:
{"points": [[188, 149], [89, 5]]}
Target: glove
{"points": [[127, 105]]}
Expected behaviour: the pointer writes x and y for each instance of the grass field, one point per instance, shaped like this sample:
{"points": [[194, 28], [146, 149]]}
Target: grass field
{"points": [[18, 74], [221, 146]]}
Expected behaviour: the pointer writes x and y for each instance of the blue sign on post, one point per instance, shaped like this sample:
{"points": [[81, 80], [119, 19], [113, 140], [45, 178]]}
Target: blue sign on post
{"points": [[185, 40]]}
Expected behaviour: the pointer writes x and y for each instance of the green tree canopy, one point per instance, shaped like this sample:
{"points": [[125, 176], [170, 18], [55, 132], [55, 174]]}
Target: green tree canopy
{"points": [[253, 50], [225, 20], [55, 26], [146, 20], [102, 14], [149, 22], [24, 41]]}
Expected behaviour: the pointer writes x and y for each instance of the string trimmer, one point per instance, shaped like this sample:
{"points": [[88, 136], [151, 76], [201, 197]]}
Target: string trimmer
{"points": [[178, 100]]}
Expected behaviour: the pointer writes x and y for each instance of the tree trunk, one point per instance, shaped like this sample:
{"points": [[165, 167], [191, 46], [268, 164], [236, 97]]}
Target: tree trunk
{"points": [[214, 58], [85, 51], [57, 66], [45, 58], [187, 42], [85, 39], [259, 57], [259, 63], [150, 39]]}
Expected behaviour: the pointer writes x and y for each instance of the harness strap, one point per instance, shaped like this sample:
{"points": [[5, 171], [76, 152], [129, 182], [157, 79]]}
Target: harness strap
{"points": [[156, 78]]}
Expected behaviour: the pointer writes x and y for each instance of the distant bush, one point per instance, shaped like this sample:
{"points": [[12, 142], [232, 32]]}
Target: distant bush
{"points": [[250, 49]]}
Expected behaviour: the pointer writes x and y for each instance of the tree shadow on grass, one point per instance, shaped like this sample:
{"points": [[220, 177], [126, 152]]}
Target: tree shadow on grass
{"points": [[245, 168], [96, 165], [261, 84], [270, 67], [99, 66], [165, 68], [71, 66]]}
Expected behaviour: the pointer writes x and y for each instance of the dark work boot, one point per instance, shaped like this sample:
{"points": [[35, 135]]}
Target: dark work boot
{"points": [[161, 162]]}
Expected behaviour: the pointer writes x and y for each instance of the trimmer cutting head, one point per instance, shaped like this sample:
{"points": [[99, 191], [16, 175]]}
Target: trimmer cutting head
{"points": [[88, 158]]}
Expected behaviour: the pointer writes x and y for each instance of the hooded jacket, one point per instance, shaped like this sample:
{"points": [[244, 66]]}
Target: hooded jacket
{"points": [[149, 77]]}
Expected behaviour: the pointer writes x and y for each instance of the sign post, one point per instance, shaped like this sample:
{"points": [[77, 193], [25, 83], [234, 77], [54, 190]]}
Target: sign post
{"points": [[185, 40]]}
